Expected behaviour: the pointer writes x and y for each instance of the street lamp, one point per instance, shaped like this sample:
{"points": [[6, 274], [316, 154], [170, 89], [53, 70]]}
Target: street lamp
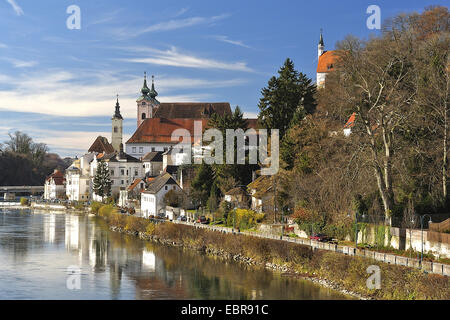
{"points": [[421, 229]]}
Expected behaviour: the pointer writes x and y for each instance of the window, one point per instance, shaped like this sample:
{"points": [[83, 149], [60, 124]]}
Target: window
{"points": [[112, 172], [143, 116], [174, 188], [143, 103], [122, 182], [135, 172], [116, 130], [134, 149], [141, 149], [166, 187], [165, 149], [122, 172], [153, 149]]}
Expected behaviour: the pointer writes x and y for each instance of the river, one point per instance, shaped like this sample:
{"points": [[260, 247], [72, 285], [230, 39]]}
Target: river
{"points": [[38, 252]]}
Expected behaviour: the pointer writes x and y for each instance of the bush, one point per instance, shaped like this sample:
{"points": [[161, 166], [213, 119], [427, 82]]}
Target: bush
{"points": [[243, 219], [24, 201], [95, 207], [136, 224], [106, 211]]}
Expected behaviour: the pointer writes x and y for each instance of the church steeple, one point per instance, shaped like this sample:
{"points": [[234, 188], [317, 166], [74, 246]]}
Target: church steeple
{"points": [[321, 46], [153, 92], [117, 114], [117, 127], [145, 90]]}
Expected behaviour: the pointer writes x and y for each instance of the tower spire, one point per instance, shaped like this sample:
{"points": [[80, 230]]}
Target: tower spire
{"points": [[145, 90], [321, 37], [117, 114], [153, 92]]}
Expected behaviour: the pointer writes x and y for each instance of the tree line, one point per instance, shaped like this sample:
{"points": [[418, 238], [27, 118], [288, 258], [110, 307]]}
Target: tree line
{"points": [[395, 160]]}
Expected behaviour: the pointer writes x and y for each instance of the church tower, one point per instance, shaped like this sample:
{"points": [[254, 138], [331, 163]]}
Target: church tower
{"points": [[147, 103], [117, 128], [321, 46]]}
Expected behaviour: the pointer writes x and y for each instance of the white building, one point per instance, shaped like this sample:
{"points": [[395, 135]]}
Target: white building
{"points": [[54, 187], [326, 62], [152, 200], [123, 170], [153, 164], [78, 179]]}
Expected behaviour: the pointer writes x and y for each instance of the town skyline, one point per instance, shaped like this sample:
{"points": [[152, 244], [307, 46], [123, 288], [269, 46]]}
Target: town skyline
{"points": [[60, 85]]}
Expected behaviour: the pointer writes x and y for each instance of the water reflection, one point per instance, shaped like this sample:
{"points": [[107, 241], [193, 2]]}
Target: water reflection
{"points": [[36, 249]]}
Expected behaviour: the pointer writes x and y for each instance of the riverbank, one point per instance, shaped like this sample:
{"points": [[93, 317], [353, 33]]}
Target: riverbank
{"points": [[340, 272]]}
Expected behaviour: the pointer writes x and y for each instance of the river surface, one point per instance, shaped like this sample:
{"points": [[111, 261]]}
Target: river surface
{"points": [[47, 255]]}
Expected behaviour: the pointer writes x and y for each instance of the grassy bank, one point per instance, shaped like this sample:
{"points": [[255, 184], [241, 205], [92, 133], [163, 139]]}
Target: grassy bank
{"points": [[346, 272]]}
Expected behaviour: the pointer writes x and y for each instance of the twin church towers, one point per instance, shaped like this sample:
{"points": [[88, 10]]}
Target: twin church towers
{"points": [[146, 107]]}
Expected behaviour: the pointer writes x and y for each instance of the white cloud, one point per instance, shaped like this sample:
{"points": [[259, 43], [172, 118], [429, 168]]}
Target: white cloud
{"points": [[235, 42], [62, 93], [3, 46], [181, 12], [20, 63], [172, 57], [169, 25], [16, 7]]}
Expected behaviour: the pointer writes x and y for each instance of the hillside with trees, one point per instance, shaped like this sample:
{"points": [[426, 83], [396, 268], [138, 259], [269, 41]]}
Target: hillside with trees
{"points": [[393, 165], [24, 162]]}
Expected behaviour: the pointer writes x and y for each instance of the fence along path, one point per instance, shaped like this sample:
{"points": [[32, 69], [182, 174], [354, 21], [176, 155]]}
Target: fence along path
{"points": [[431, 267]]}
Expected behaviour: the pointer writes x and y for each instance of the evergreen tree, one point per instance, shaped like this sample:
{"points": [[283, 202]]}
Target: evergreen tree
{"points": [[102, 180], [240, 173], [285, 98], [202, 183]]}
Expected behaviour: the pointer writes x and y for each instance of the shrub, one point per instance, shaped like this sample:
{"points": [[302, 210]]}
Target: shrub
{"points": [[150, 229], [23, 201], [136, 224], [117, 220], [95, 207], [106, 211]]}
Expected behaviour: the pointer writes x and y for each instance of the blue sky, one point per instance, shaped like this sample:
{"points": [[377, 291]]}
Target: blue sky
{"points": [[59, 85]]}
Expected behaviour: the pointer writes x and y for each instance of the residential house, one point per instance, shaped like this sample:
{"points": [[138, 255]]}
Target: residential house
{"points": [[153, 163], [54, 187], [152, 199], [123, 170], [262, 193], [238, 197], [78, 179]]}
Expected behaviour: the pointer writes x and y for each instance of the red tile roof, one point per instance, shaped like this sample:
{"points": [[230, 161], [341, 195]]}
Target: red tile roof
{"points": [[159, 130], [327, 61], [351, 122], [192, 110], [101, 145], [58, 177], [134, 184]]}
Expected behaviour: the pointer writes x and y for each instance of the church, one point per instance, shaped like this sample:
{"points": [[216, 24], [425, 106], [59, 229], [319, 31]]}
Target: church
{"points": [[157, 121], [326, 62]]}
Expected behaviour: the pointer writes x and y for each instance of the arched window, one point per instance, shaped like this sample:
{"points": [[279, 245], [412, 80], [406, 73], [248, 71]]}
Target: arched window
{"points": [[143, 116]]}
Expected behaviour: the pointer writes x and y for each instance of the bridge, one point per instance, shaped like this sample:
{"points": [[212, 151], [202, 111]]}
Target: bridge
{"points": [[10, 191]]}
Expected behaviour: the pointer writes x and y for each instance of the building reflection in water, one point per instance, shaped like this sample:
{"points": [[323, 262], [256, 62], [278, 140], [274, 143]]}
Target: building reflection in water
{"points": [[130, 268]]}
